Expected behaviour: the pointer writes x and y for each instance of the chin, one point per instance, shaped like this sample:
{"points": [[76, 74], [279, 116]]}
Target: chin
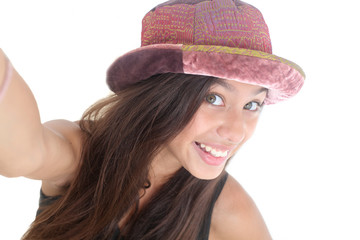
{"points": [[206, 174]]}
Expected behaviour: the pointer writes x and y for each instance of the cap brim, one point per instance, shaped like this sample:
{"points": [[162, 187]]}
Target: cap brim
{"points": [[281, 77]]}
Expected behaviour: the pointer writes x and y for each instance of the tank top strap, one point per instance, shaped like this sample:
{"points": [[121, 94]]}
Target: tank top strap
{"points": [[45, 201], [205, 228]]}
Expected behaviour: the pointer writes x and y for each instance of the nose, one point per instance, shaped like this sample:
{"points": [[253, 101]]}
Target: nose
{"points": [[232, 128]]}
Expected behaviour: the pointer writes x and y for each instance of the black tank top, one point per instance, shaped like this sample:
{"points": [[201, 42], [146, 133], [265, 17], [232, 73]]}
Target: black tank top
{"points": [[204, 230]]}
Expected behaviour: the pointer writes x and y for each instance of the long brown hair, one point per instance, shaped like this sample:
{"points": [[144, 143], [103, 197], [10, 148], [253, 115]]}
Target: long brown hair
{"points": [[122, 134]]}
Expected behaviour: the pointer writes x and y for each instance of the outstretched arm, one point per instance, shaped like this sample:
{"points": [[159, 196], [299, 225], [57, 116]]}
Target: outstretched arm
{"points": [[27, 147]]}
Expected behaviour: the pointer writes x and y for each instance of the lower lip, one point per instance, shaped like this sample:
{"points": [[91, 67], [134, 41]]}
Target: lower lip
{"points": [[208, 158]]}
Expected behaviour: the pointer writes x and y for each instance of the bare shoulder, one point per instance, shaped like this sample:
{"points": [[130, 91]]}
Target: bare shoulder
{"points": [[64, 151], [69, 132], [236, 216], [66, 129]]}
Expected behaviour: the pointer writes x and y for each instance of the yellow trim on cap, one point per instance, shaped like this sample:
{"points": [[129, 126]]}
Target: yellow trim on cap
{"points": [[241, 51]]}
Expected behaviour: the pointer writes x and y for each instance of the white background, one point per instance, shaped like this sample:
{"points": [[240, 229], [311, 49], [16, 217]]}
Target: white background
{"points": [[302, 165]]}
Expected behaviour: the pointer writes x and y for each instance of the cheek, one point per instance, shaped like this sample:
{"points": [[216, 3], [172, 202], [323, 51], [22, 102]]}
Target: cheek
{"points": [[186, 136], [202, 123]]}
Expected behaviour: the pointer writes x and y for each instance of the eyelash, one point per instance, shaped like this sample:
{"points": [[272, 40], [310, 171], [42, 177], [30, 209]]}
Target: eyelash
{"points": [[218, 97], [258, 107]]}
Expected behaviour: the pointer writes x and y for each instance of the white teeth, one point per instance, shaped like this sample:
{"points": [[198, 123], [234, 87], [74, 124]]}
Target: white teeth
{"points": [[214, 152]]}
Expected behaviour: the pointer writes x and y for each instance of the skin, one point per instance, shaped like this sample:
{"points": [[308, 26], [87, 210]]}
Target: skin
{"points": [[51, 152], [226, 123]]}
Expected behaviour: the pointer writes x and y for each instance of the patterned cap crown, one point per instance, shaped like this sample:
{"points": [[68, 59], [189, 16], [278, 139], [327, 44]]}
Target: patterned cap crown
{"points": [[230, 23]]}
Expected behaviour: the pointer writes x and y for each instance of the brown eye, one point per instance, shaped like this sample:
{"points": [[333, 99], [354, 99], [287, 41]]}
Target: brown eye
{"points": [[214, 99]]}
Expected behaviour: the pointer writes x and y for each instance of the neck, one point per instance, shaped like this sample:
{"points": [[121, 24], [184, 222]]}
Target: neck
{"points": [[162, 168]]}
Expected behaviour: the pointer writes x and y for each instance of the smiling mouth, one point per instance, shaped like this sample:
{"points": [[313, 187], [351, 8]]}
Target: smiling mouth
{"points": [[212, 151]]}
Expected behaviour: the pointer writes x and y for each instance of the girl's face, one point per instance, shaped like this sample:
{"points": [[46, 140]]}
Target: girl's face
{"points": [[226, 120]]}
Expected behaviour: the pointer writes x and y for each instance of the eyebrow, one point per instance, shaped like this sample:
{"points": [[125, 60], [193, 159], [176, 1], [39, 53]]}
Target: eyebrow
{"points": [[226, 85], [261, 90], [231, 88]]}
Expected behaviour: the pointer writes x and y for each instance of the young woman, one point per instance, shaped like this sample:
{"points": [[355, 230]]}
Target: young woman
{"points": [[148, 161]]}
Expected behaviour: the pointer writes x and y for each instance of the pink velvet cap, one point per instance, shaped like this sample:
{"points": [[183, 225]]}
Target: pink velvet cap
{"points": [[227, 39]]}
